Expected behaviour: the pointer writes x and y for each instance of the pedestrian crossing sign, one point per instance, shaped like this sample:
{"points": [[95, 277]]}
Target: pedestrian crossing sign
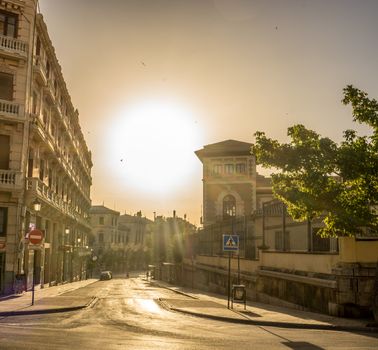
{"points": [[230, 243]]}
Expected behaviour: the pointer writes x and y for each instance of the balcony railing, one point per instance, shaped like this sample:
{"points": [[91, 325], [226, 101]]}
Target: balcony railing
{"points": [[10, 108], [13, 46], [10, 179], [39, 187]]}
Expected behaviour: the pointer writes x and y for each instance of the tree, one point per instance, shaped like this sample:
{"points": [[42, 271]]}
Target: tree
{"points": [[318, 178]]}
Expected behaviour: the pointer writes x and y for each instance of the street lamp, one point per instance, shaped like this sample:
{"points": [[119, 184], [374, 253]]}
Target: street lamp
{"points": [[67, 231], [37, 208], [37, 205]]}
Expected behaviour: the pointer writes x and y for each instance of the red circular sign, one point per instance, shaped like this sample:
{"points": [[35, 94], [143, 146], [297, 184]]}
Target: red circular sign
{"points": [[35, 236]]}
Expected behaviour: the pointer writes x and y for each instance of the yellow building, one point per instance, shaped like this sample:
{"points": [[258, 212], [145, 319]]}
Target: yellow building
{"points": [[43, 157]]}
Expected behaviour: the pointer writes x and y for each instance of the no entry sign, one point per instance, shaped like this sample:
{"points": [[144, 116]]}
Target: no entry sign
{"points": [[35, 236]]}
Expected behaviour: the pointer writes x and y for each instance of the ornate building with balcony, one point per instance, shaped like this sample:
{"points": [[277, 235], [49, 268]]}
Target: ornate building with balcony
{"points": [[43, 157]]}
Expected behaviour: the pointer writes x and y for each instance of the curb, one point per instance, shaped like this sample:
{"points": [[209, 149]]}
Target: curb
{"points": [[174, 290], [91, 303], [366, 329]]}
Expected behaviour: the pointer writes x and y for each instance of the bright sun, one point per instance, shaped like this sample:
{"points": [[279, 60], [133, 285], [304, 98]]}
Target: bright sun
{"points": [[153, 144]]}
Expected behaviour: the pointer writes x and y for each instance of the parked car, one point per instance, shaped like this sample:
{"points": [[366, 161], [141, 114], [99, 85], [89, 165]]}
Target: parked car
{"points": [[105, 275]]}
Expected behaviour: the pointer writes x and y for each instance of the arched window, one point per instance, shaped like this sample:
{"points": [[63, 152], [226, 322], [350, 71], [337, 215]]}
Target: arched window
{"points": [[229, 206]]}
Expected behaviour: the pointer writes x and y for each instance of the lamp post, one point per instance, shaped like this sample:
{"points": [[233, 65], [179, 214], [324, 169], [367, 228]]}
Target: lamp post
{"points": [[37, 208], [66, 232], [79, 252]]}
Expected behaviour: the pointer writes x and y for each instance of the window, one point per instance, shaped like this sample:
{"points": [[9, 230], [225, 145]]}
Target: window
{"points": [[45, 118], [101, 220], [229, 206], [3, 221], [6, 86], [47, 69], [35, 105], [240, 168], [52, 130], [319, 244], [50, 178], [100, 237], [41, 169], [217, 169], [38, 47], [30, 163], [8, 24], [4, 151], [279, 244], [229, 168]]}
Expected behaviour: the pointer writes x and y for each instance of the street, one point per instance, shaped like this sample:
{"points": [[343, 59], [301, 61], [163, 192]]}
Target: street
{"points": [[128, 315]]}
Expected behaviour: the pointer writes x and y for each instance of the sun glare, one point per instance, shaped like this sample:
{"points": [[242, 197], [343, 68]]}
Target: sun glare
{"points": [[152, 144]]}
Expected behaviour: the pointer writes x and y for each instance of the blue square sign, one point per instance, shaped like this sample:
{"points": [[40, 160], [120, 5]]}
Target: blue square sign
{"points": [[230, 243]]}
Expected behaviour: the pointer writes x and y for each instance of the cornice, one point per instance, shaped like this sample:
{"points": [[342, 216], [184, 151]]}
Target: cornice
{"points": [[12, 5]]}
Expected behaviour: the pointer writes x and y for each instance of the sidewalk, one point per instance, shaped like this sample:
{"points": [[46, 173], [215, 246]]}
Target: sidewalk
{"points": [[46, 300], [214, 306]]}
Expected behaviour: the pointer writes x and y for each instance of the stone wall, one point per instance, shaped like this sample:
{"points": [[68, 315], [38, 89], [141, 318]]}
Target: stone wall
{"points": [[355, 289]]}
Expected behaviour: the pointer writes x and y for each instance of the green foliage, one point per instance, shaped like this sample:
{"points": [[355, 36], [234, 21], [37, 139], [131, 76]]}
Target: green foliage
{"points": [[318, 178]]}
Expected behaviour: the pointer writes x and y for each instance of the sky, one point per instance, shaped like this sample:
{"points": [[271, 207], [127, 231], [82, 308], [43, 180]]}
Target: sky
{"points": [[155, 80]]}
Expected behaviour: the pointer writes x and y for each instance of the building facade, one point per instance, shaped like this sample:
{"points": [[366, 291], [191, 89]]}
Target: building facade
{"points": [[119, 242], [44, 158], [231, 186], [279, 261]]}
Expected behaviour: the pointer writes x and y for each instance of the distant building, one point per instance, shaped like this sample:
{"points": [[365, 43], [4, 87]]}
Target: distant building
{"points": [[119, 242], [106, 241], [231, 186], [44, 158], [139, 230]]}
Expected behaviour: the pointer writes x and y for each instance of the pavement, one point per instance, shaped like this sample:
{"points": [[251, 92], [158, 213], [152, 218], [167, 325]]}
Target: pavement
{"points": [[47, 300], [214, 306]]}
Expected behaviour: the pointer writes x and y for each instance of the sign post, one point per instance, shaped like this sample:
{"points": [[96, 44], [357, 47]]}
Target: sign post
{"points": [[35, 237], [230, 244]]}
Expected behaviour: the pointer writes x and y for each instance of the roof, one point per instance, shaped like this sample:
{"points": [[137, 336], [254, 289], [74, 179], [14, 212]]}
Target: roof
{"points": [[225, 148], [126, 218], [263, 181], [100, 209]]}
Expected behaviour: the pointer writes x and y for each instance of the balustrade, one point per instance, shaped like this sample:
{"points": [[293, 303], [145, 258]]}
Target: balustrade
{"points": [[38, 186], [10, 108], [13, 45], [10, 178]]}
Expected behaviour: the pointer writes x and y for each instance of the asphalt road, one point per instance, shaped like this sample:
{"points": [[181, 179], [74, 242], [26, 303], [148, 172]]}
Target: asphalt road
{"points": [[127, 316]]}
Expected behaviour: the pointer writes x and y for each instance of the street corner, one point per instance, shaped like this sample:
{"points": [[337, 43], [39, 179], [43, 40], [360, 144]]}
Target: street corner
{"points": [[203, 308]]}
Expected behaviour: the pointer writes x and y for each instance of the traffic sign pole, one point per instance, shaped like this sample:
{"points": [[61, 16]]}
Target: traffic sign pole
{"points": [[35, 238], [229, 280], [33, 282]]}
